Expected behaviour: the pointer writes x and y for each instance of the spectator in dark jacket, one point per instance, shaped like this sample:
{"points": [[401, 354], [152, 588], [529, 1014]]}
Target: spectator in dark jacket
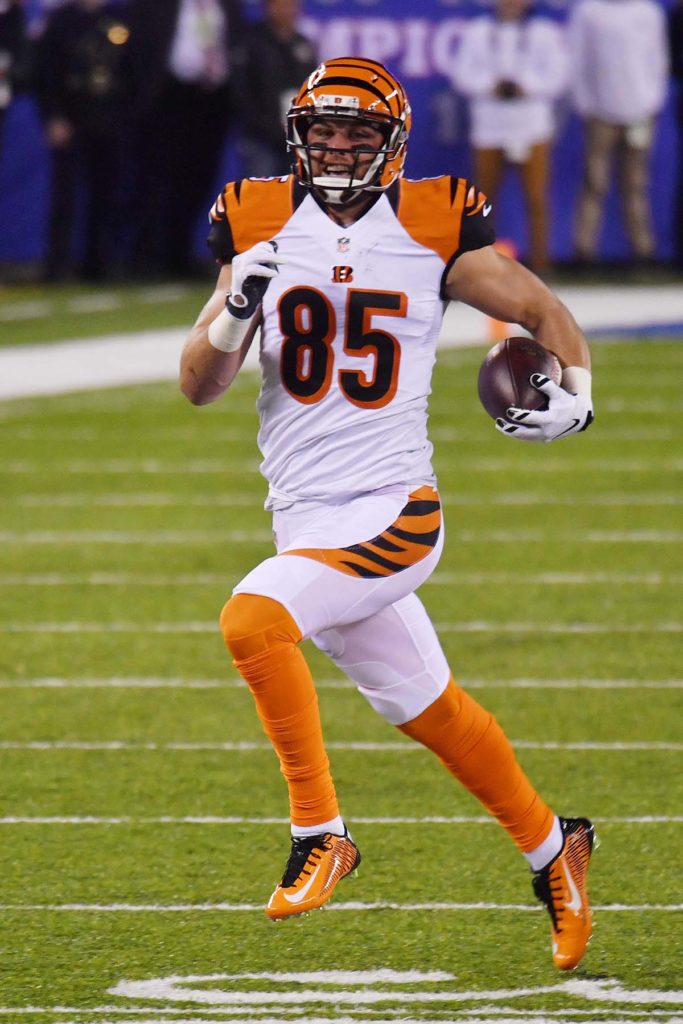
{"points": [[12, 46], [82, 81], [183, 53], [270, 66], [676, 54]]}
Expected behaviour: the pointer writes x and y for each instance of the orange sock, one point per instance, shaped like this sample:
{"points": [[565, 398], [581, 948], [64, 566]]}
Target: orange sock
{"points": [[474, 748], [262, 637]]}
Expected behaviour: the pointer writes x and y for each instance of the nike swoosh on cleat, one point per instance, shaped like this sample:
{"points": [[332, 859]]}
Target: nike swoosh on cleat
{"points": [[575, 903], [487, 209], [303, 892]]}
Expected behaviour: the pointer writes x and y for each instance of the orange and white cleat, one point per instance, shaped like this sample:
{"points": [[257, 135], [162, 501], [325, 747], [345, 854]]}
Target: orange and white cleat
{"points": [[315, 865], [561, 885]]}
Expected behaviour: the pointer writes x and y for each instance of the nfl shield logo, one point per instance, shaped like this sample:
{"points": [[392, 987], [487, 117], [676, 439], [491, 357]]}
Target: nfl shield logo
{"points": [[343, 244]]}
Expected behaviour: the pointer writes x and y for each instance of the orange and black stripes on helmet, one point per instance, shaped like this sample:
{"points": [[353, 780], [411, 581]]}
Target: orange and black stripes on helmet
{"points": [[407, 541], [367, 84]]}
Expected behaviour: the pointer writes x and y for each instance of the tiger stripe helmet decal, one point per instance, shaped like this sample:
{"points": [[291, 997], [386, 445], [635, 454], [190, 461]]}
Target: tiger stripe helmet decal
{"points": [[352, 87], [406, 542]]}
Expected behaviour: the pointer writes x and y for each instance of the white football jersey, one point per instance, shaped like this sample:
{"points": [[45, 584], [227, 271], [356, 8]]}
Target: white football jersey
{"points": [[350, 325]]}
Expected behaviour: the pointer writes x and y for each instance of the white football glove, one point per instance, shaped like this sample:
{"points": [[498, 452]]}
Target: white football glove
{"points": [[251, 274], [566, 414]]}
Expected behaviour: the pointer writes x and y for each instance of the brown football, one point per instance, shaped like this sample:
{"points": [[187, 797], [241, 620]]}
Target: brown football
{"points": [[504, 375]]}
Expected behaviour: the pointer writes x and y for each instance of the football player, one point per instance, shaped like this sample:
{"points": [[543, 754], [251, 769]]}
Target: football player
{"points": [[346, 266]]}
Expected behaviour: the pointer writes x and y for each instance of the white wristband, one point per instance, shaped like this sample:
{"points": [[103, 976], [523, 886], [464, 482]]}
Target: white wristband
{"points": [[577, 380], [226, 332]]}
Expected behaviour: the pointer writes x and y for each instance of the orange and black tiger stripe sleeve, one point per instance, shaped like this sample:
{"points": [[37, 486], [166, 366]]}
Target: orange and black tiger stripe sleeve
{"points": [[246, 212], [448, 215]]}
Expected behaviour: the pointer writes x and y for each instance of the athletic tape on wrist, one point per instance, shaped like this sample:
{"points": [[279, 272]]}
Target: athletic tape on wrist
{"points": [[578, 380], [226, 332]]}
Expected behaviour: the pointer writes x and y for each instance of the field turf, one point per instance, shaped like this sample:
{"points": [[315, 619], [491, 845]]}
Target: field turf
{"points": [[143, 818]]}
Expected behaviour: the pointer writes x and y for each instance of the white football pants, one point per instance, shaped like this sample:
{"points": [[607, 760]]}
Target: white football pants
{"points": [[376, 630]]}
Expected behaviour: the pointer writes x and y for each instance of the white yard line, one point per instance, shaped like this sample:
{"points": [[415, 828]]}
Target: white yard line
{"points": [[439, 579], [247, 1015], [127, 467], [606, 436], [239, 1014], [235, 820], [558, 627], [188, 908], [657, 464], [147, 684], [151, 500], [134, 537], [555, 578], [99, 302], [250, 746], [209, 536], [157, 499], [151, 628], [152, 683], [25, 310], [208, 434]]}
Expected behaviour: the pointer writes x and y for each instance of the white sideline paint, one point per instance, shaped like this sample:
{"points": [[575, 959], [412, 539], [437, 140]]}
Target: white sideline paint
{"points": [[152, 683], [90, 363], [151, 628], [249, 746], [122, 359], [89, 819]]}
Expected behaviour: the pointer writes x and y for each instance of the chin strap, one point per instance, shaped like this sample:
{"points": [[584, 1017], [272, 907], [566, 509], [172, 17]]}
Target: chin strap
{"points": [[338, 196], [341, 191]]}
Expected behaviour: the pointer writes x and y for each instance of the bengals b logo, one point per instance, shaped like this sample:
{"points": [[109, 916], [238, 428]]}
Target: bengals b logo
{"points": [[342, 275]]}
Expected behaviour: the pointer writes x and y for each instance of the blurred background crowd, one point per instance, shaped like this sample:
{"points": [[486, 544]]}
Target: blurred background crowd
{"points": [[121, 119]]}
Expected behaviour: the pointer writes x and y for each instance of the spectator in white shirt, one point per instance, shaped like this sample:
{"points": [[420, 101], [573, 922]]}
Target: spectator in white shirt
{"points": [[512, 65], [619, 59]]}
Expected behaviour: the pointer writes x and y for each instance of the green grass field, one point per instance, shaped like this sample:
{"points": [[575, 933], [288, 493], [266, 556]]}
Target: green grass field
{"points": [[29, 313], [143, 818]]}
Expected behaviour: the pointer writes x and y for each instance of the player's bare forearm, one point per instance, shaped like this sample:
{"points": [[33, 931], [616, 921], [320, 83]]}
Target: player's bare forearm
{"points": [[205, 372], [507, 291]]}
